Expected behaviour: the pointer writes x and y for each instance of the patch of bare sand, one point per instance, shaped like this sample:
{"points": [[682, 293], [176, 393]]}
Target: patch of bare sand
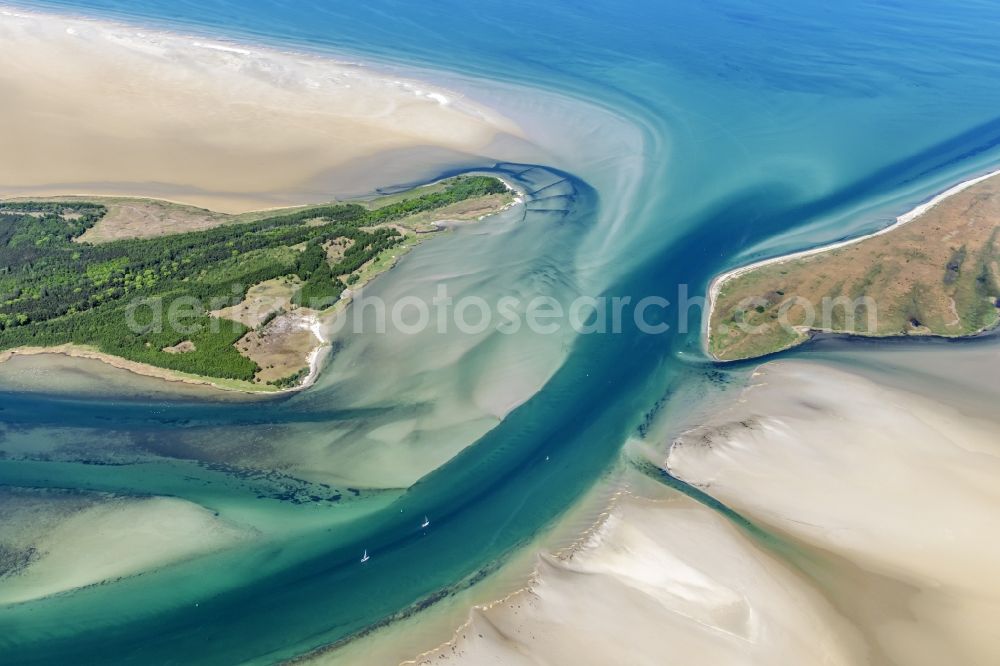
{"points": [[146, 218], [139, 113], [284, 346], [182, 347]]}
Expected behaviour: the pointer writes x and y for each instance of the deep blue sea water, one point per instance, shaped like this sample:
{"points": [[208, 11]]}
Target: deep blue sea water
{"points": [[710, 133]]}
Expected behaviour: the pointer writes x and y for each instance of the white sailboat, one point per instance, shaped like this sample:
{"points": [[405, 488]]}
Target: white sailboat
{"points": [[365, 558], [425, 523]]}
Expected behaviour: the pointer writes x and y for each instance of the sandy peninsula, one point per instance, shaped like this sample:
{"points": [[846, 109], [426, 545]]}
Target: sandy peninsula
{"points": [[134, 112], [284, 339]]}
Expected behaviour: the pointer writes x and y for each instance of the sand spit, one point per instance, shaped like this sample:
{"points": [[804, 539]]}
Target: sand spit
{"points": [[314, 323], [136, 112], [893, 496], [59, 541]]}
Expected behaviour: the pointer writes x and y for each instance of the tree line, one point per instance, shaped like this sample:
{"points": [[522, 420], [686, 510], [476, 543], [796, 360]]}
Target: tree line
{"points": [[54, 289]]}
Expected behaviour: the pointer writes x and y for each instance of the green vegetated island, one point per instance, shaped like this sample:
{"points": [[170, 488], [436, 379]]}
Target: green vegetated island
{"points": [[98, 276], [935, 274]]}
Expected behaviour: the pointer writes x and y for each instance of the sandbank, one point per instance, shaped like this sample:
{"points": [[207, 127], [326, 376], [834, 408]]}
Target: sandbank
{"points": [[872, 506], [98, 108], [891, 495]]}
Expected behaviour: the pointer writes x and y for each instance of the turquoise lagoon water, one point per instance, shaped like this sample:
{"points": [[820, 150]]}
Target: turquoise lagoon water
{"points": [[674, 140]]}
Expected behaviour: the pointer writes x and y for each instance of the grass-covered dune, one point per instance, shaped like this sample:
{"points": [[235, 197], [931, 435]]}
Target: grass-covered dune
{"points": [[937, 273]]}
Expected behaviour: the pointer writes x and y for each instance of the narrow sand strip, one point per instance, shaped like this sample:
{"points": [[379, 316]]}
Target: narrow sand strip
{"points": [[142, 369]]}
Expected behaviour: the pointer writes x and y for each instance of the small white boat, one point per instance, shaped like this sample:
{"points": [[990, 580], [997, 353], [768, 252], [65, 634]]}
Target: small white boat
{"points": [[425, 523], [365, 558]]}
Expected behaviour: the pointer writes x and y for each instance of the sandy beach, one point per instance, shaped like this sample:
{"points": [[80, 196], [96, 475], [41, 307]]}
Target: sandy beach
{"points": [[716, 284], [135, 112]]}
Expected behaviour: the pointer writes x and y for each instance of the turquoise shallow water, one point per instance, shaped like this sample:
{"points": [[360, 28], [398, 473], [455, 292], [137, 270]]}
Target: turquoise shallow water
{"points": [[686, 138]]}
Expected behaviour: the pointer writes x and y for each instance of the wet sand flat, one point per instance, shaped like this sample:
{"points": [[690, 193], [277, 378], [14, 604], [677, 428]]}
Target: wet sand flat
{"points": [[894, 494]]}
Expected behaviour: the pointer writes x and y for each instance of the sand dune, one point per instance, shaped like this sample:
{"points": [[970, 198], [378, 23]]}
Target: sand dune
{"points": [[96, 108]]}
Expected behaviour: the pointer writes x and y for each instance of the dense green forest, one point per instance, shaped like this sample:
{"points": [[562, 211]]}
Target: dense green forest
{"points": [[133, 297]]}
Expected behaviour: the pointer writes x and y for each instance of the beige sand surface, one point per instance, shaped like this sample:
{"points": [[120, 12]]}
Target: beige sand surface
{"points": [[83, 541], [665, 581], [146, 218], [261, 300], [894, 493], [879, 537], [99, 108]]}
